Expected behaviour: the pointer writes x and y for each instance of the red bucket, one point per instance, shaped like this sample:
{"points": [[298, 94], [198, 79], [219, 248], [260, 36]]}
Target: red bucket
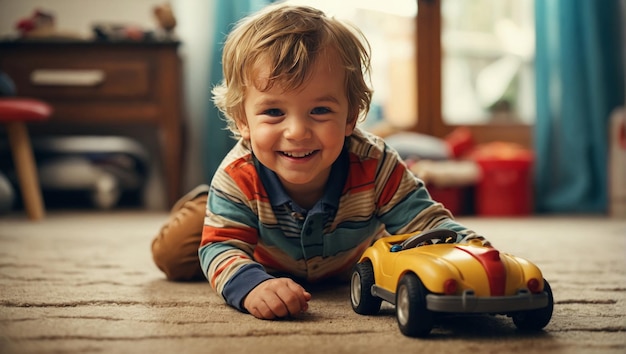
{"points": [[505, 187]]}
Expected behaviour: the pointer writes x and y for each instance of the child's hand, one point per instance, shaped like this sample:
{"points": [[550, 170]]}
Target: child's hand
{"points": [[275, 298]]}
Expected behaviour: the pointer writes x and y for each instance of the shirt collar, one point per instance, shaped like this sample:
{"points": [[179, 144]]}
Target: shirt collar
{"points": [[338, 174]]}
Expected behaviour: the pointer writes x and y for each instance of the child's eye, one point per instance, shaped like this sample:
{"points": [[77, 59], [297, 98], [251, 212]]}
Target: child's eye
{"points": [[320, 110], [273, 112]]}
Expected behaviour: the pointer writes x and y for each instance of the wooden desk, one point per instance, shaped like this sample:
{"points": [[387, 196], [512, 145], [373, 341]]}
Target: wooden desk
{"points": [[106, 83]]}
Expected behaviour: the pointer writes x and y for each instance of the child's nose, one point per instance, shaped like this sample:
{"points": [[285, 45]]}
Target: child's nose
{"points": [[298, 128]]}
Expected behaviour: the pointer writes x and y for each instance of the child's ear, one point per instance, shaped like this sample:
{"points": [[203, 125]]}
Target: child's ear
{"points": [[242, 126], [350, 125]]}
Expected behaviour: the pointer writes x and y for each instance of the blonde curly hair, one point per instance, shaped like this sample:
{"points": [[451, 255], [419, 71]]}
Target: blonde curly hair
{"points": [[290, 38]]}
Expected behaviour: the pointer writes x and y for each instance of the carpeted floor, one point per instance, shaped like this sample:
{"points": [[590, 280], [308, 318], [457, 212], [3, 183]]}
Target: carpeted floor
{"points": [[85, 283]]}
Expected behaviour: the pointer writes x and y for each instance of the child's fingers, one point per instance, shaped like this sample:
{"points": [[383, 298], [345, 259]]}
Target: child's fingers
{"points": [[261, 310], [277, 306], [302, 297]]}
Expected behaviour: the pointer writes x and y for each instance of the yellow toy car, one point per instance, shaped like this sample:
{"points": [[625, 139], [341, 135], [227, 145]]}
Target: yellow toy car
{"points": [[425, 274]]}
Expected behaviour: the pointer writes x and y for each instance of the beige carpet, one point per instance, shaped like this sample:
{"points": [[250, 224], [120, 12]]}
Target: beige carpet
{"points": [[85, 283]]}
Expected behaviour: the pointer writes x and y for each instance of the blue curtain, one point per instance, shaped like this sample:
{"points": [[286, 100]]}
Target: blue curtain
{"points": [[580, 80], [218, 141]]}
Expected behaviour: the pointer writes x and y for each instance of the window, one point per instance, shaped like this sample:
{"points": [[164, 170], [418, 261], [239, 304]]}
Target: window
{"points": [[487, 57], [475, 68]]}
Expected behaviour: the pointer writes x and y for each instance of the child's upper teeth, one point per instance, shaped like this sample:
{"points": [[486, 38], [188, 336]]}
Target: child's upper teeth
{"points": [[298, 154]]}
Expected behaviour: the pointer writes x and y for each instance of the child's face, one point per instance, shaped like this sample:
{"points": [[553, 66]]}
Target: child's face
{"points": [[300, 133]]}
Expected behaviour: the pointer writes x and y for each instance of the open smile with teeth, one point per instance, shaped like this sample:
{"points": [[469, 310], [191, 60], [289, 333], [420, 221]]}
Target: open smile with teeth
{"points": [[298, 154]]}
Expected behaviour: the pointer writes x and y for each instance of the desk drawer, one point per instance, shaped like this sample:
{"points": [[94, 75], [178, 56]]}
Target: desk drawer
{"points": [[70, 77], [95, 84]]}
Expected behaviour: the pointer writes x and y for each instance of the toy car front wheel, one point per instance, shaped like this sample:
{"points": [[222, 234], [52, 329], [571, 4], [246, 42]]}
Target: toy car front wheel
{"points": [[413, 318], [363, 302], [535, 320]]}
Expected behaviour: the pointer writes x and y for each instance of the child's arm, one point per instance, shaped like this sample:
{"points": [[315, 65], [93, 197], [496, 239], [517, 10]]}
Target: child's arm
{"points": [[406, 206], [244, 284], [226, 257]]}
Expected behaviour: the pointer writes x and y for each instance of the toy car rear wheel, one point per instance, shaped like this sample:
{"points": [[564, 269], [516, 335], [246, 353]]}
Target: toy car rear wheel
{"points": [[361, 298], [535, 320], [413, 318]]}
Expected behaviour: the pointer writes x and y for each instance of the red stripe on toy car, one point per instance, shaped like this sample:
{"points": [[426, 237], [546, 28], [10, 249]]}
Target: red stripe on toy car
{"points": [[489, 258]]}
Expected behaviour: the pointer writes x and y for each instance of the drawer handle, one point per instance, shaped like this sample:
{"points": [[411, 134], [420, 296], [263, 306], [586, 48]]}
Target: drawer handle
{"points": [[67, 77]]}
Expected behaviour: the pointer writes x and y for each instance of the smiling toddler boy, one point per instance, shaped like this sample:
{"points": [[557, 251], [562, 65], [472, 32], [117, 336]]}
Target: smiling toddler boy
{"points": [[304, 191]]}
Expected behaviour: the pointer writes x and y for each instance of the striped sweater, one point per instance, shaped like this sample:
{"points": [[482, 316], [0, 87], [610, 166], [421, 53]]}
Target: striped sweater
{"points": [[252, 228]]}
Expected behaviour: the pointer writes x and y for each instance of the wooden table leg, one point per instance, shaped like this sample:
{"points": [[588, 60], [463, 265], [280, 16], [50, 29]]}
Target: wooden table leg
{"points": [[24, 161]]}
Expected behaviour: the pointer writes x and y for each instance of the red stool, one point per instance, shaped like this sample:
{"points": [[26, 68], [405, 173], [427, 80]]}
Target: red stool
{"points": [[14, 113]]}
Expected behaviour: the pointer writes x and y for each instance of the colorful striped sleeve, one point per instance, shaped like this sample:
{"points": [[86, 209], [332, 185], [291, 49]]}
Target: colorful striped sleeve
{"points": [[230, 232], [403, 202]]}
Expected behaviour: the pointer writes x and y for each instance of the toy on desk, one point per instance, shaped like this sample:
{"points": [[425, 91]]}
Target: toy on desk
{"points": [[428, 274], [39, 23], [165, 17]]}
